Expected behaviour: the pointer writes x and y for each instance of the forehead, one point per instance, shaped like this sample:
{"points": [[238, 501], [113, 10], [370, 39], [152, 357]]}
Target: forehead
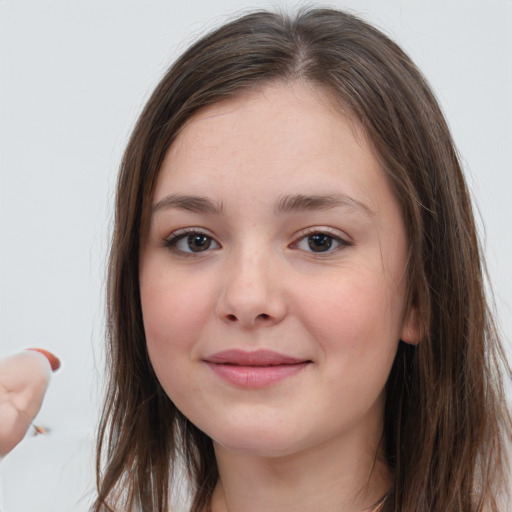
{"points": [[276, 139]]}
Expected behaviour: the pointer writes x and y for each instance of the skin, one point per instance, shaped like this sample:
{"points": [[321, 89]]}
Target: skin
{"points": [[24, 379], [310, 441]]}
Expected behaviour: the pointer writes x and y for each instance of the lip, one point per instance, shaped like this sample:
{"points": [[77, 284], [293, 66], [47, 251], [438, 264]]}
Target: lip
{"points": [[258, 369]]}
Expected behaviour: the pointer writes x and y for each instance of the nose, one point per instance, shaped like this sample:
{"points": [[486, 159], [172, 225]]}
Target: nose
{"points": [[252, 292]]}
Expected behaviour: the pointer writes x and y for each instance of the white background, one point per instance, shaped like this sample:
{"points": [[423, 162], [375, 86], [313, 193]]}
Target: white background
{"points": [[74, 74]]}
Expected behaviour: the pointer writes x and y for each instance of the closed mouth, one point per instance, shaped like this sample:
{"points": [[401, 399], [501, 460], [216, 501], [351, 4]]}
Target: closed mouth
{"points": [[259, 369], [257, 358]]}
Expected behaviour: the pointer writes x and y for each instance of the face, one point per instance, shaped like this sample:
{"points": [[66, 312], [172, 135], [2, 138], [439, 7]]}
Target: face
{"points": [[273, 274]]}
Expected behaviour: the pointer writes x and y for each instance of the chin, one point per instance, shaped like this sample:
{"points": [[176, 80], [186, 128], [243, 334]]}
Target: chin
{"points": [[260, 440], [260, 447]]}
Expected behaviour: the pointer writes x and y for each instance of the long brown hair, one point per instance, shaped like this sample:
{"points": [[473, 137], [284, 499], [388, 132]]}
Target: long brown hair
{"points": [[445, 415]]}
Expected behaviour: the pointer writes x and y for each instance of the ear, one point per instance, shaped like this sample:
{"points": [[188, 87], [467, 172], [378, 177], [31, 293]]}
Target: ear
{"points": [[411, 330]]}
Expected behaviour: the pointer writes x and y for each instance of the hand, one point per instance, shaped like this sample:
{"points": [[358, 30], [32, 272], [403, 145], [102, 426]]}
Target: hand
{"points": [[24, 379]]}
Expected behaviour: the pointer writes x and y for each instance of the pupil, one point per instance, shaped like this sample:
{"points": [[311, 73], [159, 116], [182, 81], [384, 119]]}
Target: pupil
{"points": [[198, 243], [319, 242]]}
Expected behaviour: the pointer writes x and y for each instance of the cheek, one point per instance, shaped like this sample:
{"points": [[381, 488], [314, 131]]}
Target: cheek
{"points": [[357, 320], [173, 314], [357, 330], [356, 304], [166, 319], [174, 307]]}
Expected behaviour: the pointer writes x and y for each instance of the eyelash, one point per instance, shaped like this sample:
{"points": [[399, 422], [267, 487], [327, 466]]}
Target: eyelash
{"points": [[172, 241], [334, 237]]}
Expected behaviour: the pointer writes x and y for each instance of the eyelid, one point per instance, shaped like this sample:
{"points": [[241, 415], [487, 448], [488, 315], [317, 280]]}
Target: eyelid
{"points": [[171, 240], [341, 237], [335, 233]]}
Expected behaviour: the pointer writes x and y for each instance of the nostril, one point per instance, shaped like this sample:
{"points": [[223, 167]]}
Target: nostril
{"points": [[263, 316], [232, 318]]}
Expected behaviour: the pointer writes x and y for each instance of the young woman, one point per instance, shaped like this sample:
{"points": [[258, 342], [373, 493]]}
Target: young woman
{"points": [[296, 300]]}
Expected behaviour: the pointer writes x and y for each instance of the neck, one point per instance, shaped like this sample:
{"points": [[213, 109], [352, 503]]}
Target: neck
{"points": [[343, 475]]}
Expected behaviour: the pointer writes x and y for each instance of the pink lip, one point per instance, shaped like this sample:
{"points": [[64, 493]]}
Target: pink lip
{"points": [[257, 369]]}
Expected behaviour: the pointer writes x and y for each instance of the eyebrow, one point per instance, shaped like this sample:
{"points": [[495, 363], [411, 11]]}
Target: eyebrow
{"points": [[195, 204], [300, 202], [285, 204]]}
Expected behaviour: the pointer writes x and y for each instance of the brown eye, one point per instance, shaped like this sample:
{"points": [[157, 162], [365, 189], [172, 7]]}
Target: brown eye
{"points": [[198, 243], [192, 242], [320, 242]]}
